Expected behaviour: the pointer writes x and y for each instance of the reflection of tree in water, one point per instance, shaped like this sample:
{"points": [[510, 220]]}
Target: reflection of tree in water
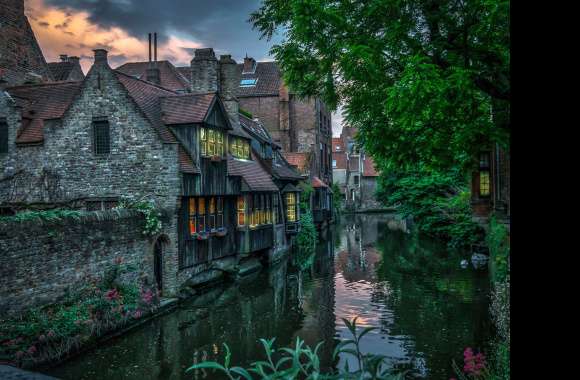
{"points": [[432, 299]]}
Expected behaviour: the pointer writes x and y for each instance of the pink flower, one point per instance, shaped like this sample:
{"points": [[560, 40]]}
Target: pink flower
{"points": [[118, 260], [32, 350], [147, 296], [137, 314], [50, 334], [112, 294], [474, 364]]}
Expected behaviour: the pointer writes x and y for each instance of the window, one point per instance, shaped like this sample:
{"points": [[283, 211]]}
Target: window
{"points": [[275, 209], [211, 142], [201, 215], [192, 216], [241, 211], [212, 213], [334, 163], [338, 148], [356, 179], [101, 137], [291, 208], [100, 205], [220, 212], [3, 137], [202, 210], [484, 185], [240, 148], [248, 82]]}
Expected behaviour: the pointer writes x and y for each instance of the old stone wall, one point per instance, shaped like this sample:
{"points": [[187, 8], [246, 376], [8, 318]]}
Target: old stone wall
{"points": [[41, 261]]}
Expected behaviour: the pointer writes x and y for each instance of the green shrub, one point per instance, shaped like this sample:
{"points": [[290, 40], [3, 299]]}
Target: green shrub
{"points": [[43, 215], [499, 250], [307, 237]]}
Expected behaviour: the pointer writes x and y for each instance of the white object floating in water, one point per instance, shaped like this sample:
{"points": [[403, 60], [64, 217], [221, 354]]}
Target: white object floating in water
{"points": [[464, 263]]}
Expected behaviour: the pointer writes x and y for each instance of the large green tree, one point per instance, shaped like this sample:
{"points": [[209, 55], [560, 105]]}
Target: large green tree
{"points": [[426, 82]]}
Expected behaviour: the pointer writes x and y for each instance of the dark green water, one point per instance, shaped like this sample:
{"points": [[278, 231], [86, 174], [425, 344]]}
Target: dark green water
{"points": [[426, 307]]}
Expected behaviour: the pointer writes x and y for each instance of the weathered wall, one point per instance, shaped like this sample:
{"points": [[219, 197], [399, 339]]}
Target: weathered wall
{"points": [[40, 262]]}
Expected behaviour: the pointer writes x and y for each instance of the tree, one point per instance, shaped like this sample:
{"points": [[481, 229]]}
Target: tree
{"points": [[420, 79]]}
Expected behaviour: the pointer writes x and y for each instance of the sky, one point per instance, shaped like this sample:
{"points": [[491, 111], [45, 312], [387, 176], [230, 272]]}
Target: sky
{"points": [[76, 27]]}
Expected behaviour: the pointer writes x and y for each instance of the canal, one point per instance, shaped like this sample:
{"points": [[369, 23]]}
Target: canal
{"points": [[426, 307]]}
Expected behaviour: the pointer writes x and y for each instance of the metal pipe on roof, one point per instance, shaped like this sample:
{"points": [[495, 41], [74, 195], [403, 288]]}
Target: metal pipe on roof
{"points": [[155, 47]]}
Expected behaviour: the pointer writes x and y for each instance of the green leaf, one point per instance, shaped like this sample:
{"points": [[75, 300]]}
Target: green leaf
{"points": [[207, 365]]}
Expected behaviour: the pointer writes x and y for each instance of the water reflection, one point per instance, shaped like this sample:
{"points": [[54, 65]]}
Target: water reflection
{"points": [[426, 308]]}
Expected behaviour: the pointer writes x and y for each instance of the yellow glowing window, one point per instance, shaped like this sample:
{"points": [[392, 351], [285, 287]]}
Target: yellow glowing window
{"points": [[241, 211], [291, 207], [484, 184], [211, 142], [192, 216], [220, 144], [201, 215], [203, 141], [212, 213], [246, 152]]}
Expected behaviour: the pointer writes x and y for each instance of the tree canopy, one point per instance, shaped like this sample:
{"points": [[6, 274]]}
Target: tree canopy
{"points": [[420, 79]]}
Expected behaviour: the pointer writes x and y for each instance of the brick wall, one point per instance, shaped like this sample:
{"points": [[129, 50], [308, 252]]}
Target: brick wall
{"points": [[41, 261]]}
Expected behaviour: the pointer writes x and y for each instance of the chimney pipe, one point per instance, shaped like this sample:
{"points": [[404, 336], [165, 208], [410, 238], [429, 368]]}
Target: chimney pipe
{"points": [[63, 58], [155, 47], [149, 47]]}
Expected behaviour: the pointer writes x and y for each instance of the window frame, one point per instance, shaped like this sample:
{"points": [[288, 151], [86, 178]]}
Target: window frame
{"points": [[4, 137], [98, 124]]}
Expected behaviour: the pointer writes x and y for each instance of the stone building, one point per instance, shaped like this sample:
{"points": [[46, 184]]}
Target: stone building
{"points": [[354, 172], [68, 69], [113, 137]]}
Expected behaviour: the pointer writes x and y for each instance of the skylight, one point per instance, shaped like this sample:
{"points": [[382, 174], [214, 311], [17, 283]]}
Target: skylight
{"points": [[248, 82]]}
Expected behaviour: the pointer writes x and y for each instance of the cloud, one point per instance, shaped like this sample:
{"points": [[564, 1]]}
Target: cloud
{"points": [[337, 122]]}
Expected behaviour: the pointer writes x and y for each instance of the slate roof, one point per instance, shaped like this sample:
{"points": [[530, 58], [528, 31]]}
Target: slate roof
{"points": [[256, 128], [282, 169], [185, 109], [300, 160], [340, 159], [252, 172], [146, 95], [61, 70], [369, 169], [269, 80], [169, 76], [41, 102]]}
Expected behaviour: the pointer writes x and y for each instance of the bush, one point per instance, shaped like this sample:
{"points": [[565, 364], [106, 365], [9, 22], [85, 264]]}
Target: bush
{"points": [[302, 362], [307, 237], [499, 250]]}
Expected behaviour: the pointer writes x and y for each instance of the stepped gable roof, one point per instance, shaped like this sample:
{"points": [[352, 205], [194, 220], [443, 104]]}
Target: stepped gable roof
{"points": [[369, 169], [317, 182], [146, 95], [297, 159], [61, 70], [269, 80], [41, 102], [186, 109], [340, 159], [169, 76], [253, 174]]}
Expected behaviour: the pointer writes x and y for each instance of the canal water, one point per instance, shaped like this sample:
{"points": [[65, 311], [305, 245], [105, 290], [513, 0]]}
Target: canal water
{"points": [[426, 308]]}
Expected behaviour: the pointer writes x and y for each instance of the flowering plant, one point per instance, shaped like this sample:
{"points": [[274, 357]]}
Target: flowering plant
{"points": [[475, 366]]}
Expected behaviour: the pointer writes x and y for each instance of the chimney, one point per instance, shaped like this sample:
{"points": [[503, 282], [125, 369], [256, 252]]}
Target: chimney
{"points": [[101, 57], [284, 115], [204, 71], [229, 82], [152, 74], [249, 64], [63, 58], [74, 60]]}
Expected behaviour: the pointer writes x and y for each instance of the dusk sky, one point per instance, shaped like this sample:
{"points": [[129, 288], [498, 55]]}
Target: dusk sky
{"points": [[76, 27]]}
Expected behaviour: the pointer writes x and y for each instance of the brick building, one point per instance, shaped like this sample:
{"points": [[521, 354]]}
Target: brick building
{"points": [[354, 172]]}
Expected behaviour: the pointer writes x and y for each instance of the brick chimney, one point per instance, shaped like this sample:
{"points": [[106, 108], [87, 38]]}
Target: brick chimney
{"points": [[101, 57], [204, 71], [249, 64], [229, 82], [64, 58], [75, 60]]}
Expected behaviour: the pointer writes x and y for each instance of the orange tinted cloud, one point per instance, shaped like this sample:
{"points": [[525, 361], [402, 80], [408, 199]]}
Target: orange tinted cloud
{"points": [[71, 32]]}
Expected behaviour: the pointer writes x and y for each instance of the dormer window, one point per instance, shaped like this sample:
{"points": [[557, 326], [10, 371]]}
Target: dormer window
{"points": [[248, 82], [211, 142], [240, 148]]}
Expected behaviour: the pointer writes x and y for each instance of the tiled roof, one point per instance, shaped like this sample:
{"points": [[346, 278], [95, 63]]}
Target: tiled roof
{"points": [[317, 182], [253, 174], [169, 76], [185, 109], [185, 72], [300, 160], [146, 96], [282, 169], [60, 70], [186, 164], [255, 127], [41, 102], [369, 169], [353, 163], [340, 159], [269, 80]]}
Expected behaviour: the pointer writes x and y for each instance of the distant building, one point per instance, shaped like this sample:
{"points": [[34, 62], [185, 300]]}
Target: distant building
{"points": [[68, 69], [354, 172]]}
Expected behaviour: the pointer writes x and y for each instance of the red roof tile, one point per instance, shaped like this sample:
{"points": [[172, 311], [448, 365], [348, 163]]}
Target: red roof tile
{"points": [[185, 109], [297, 159], [169, 76], [317, 182], [186, 164], [369, 169], [41, 102], [269, 80], [253, 174]]}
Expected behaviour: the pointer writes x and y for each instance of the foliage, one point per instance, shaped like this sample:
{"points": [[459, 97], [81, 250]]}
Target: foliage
{"points": [[43, 215], [438, 202], [499, 250], [146, 207], [48, 333], [419, 79], [302, 362], [305, 195], [246, 113], [307, 237]]}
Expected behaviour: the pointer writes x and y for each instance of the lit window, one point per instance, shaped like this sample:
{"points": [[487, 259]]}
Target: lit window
{"points": [[212, 213], [334, 163], [248, 82], [240, 148], [212, 142], [484, 185], [241, 211], [201, 215], [192, 216], [203, 142], [291, 214]]}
